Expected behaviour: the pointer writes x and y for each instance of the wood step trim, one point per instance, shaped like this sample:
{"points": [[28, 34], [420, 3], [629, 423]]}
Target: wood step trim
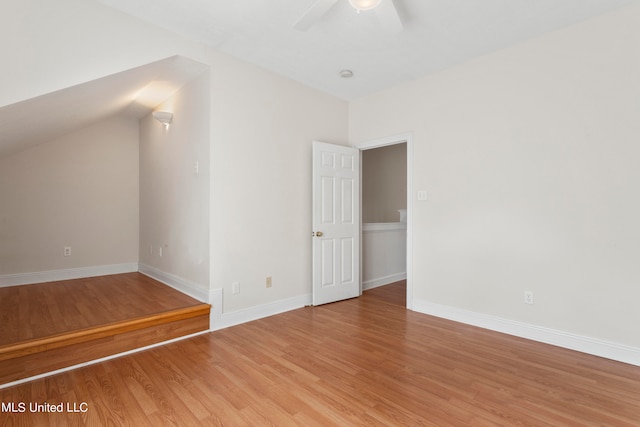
{"points": [[37, 345], [77, 354]]}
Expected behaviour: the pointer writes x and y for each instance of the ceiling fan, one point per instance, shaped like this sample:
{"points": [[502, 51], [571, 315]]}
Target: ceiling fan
{"points": [[384, 9]]}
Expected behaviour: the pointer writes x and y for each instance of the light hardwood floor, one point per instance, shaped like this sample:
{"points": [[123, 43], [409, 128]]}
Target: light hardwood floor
{"points": [[50, 326], [35, 311], [365, 361]]}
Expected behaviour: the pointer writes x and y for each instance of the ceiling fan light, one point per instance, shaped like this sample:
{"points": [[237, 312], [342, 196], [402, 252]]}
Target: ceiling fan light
{"points": [[362, 5]]}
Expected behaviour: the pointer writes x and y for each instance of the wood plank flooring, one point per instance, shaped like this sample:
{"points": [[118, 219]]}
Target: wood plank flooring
{"points": [[55, 325], [45, 309], [365, 361]]}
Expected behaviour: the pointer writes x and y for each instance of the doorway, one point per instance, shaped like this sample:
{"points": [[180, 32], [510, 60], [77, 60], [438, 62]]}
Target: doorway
{"points": [[402, 225]]}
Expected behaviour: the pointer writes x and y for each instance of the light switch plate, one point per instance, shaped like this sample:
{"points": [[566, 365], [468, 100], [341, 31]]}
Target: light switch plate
{"points": [[422, 195]]}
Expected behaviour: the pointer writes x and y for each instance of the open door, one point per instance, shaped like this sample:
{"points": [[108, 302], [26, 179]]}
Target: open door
{"points": [[336, 223]]}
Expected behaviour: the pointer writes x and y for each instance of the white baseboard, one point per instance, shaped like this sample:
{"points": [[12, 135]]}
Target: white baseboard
{"points": [[67, 274], [188, 287], [596, 347], [254, 313], [381, 281]]}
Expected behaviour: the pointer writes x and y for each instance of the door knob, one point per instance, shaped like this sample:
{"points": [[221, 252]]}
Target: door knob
{"points": [[318, 234]]}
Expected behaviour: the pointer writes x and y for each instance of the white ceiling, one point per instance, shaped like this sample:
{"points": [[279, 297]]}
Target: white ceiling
{"points": [[437, 34], [133, 93]]}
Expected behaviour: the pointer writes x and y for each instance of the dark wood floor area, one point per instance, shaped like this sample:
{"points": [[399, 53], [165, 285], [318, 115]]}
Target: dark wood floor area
{"points": [[44, 309], [365, 361]]}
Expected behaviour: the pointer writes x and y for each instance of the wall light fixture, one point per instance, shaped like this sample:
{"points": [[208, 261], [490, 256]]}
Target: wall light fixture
{"points": [[163, 117]]}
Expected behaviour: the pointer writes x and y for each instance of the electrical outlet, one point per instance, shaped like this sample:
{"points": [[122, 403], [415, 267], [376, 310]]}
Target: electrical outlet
{"points": [[67, 251], [528, 297], [160, 251], [235, 288], [269, 282]]}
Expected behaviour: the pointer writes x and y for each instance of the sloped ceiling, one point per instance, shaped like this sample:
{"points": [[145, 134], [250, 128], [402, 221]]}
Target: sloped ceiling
{"points": [[133, 92], [437, 34]]}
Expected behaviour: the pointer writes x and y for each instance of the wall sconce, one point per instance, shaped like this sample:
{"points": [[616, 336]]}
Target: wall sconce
{"points": [[163, 117]]}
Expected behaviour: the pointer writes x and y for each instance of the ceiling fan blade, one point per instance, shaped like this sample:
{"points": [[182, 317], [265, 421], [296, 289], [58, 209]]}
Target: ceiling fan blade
{"points": [[315, 12], [388, 16]]}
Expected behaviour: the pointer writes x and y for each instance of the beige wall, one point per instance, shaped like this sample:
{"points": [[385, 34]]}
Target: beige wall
{"points": [[530, 160], [80, 190], [174, 199], [261, 181], [261, 130], [384, 183]]}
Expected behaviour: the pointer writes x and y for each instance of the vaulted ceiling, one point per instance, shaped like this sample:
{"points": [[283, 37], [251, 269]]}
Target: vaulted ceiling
{"points": [[132, 92], [437, 34]]}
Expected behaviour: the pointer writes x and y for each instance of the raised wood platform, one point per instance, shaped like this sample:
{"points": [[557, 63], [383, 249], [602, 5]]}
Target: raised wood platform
{"points": [[50, 326]]}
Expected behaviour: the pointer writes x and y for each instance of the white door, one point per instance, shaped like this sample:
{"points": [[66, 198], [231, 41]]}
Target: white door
{"points": [[336, 223]]}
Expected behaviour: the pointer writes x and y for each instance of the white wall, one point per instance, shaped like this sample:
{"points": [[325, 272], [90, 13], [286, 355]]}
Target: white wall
{"points": [[384, 253], [80, 190], [530, 159], [174, 197]]}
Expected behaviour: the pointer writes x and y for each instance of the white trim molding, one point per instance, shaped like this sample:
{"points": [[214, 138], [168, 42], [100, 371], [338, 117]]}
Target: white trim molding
{"points": [[384, 141], [596, 347], [384, 226], [265, 310], [185, 286], [66, 274], [384, 254], [381, 281]]}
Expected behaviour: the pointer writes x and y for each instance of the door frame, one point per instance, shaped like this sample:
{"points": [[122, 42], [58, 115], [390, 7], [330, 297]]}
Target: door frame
{"points": [[339, 229], [382, 142]]}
